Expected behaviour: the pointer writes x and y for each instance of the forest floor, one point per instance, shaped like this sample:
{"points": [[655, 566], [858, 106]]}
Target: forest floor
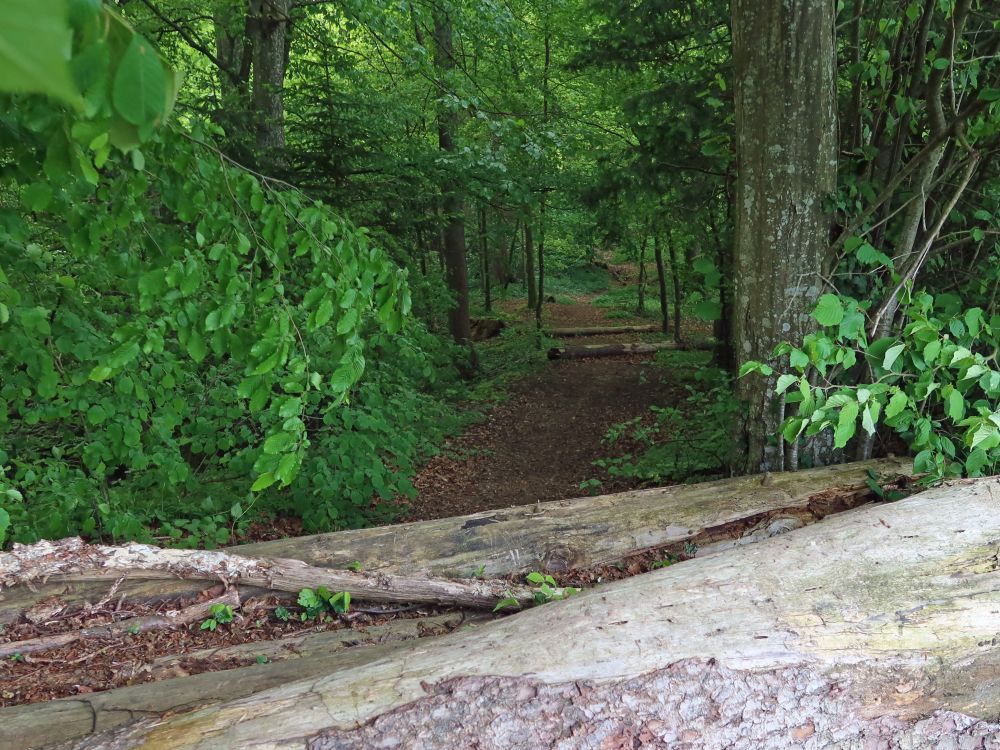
{"points": [[540, 444]]}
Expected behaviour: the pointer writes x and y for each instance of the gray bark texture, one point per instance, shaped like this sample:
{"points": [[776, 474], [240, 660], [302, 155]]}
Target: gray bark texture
{"points": [[874, 629], [452, 205], [269, 25], [783, 52]]}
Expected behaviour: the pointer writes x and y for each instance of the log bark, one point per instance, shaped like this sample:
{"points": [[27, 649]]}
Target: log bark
{"points": [[294, 658], [72, 558], [875, 629], [618, 350], [550, 537], [601, 330]]}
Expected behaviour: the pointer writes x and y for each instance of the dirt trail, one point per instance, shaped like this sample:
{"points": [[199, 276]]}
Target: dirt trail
{"points": [[541, 443]]}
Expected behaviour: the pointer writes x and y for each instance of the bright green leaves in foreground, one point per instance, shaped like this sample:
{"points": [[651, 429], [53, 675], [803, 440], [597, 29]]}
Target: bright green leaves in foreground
{"points": [[35, 41], [166, 318], [937, 384]]}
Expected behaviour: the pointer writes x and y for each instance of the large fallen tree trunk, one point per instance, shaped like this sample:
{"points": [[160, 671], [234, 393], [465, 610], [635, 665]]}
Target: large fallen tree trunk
{"points": [[550, 537], [601, 330], [292, 658], [618, 350], [875, 629]]}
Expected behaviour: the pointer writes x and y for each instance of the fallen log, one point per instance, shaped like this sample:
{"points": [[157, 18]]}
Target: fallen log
{"points": [[617, 350], [601, 330], [74, 559], [550, 537], [143, 624], [309, 645], [874, 629], [294, 658]]}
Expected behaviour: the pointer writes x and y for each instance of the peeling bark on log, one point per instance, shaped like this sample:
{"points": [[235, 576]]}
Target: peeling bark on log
{"points": [[295, 658], [875, 629], [601, 330], [618, 350], [72, 558], [550, 537]]}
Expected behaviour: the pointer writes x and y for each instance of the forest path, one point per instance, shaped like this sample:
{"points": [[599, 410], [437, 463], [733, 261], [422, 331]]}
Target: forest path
{"points": [[540, 444]]}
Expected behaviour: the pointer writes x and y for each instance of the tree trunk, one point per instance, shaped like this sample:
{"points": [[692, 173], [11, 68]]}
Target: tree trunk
{"points": [[529, 264], [295, 658], [588, 351], [661, 277], [873, 629], [675, 275], [456, 271], [485, 245], [640, 305], [269, 25], [550, 537], [783, 52]]}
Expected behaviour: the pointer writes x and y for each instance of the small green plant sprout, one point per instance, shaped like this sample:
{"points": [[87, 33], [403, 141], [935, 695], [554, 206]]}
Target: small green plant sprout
{"points": [[690, 549], [507, 603], [592, 486], [317, 603], [480, 571], [221, 614], [282, 613], [875, 485], [356, 566], [666, 562], [262, 659], [134, 630], [546, 589]]}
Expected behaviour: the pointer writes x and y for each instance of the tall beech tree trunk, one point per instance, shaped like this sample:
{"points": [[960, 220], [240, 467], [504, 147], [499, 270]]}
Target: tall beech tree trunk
{"points": [[874, 629], [783, 53], [675, 275], [487, 269], [529, 264], [661, 277], [456, 270], [269, 25], [640, 304]]}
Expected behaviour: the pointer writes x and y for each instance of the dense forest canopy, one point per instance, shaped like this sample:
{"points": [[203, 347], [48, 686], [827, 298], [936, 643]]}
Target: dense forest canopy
{"points": [[242, 242]]}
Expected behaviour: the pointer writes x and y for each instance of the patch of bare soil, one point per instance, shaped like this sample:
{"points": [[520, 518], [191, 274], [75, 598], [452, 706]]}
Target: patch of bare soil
{"points": [[541, 443]]}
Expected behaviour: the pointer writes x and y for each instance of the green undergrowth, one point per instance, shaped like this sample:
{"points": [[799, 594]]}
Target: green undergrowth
{"points": [[690, 440], [566, 283]]}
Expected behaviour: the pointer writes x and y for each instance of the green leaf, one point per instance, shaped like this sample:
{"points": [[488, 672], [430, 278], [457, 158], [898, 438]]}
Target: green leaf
{"points": [[829, 310], [975, 462], [941, 63], [278, 442], [784, 381], [507, 603], [846, 424], [956, 406], [264, 481], [35, 44], [891, 355], [868, 417], [536, 578], [196, 347], [139, 93], [897, 403]]}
